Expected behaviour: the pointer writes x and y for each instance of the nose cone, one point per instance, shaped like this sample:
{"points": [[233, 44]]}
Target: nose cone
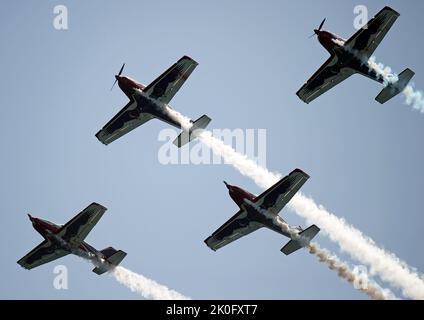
{"points": [[117, 77], [30, 217], [226, 184], [316, 32]]}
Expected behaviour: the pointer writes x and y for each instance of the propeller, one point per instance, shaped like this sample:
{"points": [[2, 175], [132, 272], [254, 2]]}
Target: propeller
{"points": [[322, 23], [319, 29], [116, 77]]}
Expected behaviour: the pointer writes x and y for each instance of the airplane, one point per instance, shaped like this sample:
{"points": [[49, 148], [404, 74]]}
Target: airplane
{"points": [[352, 56], [152, 101], [60, 241], [262, 211]]}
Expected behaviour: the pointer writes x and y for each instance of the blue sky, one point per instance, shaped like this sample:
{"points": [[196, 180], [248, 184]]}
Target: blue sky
{"points": [[364, 159]]}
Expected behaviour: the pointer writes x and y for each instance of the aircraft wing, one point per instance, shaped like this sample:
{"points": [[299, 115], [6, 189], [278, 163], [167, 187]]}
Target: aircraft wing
{"points": [[168, 83], [77, 229], [275, 198], [123, 122], [41, 254], [367, 39], [235, 228], [329, 75]]}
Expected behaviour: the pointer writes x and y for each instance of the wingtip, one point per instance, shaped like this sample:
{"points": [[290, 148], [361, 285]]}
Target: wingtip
{"points": [[207, 244], [410, 70], [390, 9], [22, 264], [205, 116], [297, 170], [98, 205], [283, 251], [302, 98], [99, 136], [189, 58]]}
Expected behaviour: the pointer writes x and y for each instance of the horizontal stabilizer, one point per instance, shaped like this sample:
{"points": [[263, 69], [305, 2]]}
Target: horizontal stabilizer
{"points": [[394, 89], [108, 252], [305, 238], [111, 261], [185, 137], [117, 257], [100, 270]]}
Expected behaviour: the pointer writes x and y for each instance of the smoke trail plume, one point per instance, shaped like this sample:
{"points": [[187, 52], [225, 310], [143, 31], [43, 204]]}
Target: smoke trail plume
{"points": [[361, 283], [414, 98], [185, 122], [383, 72], [389, 267], [148, 288]]}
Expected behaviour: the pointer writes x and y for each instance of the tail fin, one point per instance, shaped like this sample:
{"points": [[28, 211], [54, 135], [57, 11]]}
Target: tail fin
{"points": [[186, 137], [113, 258], [394, 89], [305, 238]]}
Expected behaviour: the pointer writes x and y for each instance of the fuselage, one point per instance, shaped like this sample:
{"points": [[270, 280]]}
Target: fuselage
{"points": [[346, 58], [246, 201], [49, 231], [330, 41], [128, 85], [135, 90]]}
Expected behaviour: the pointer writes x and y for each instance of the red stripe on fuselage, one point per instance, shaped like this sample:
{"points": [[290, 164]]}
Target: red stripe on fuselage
{"points": [[44, 227], [327, 40], [128, 85], [239, 195]]}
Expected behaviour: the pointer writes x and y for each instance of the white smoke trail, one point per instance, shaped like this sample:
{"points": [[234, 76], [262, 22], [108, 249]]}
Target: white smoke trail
{"points": [[386, 265], [360, 282], [414, 98], [185, 122], [389, 267], [148, 288], [383, 72]]}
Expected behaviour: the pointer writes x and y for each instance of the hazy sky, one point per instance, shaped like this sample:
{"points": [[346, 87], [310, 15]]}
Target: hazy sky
{"points": [[364, 159]]}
